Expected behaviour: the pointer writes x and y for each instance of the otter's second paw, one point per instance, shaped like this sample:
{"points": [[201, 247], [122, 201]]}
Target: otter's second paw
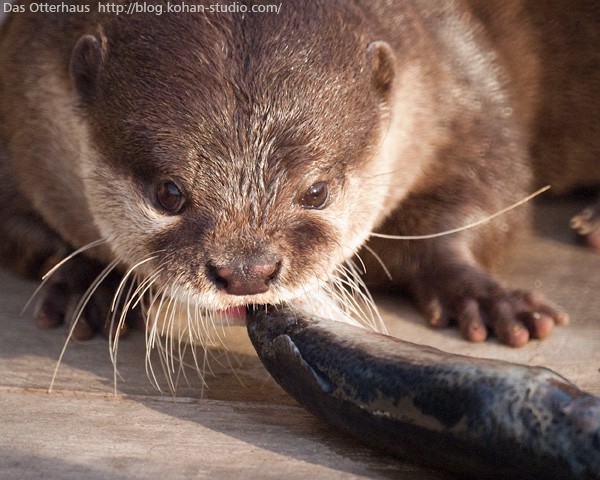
{"points": [[70, 296], [587, 225], [472, 299]]}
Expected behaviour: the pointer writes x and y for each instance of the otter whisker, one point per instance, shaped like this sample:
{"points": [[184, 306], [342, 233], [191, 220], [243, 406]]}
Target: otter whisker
{"points": [[182, 348], [201, 318], [144, 286], [208, 322], [175, 352], [352, 293], [195, 320], [163, 359], [78, 312], [114, 342], [169, 331], [181, 325], [379, 260], [193, 315], [50, 272], [199, 328], [367, 299], [228, 353], [90, 245], [211, 316], [130, 271], [132, 298], [362, 264], [347, 302], [208, 327], [168, 351], [206, 365], [326, 283], [464, 227], [152, 335]]}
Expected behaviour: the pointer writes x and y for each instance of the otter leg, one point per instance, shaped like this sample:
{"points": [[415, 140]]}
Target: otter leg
{"points": [[587, 225], [30, 248], [449, 276]]}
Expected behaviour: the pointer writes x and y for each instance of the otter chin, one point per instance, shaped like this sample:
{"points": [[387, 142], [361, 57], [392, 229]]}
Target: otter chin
{"points": [[223, 159]]}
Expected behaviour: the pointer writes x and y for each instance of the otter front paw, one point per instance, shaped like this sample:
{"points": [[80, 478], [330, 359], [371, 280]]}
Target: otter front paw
{"points": [[587, 225], [470, 298], [71, 296]]}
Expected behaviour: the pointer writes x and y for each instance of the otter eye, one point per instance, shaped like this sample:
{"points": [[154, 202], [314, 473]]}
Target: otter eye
{"points": [[316, 196], [169, 197]]}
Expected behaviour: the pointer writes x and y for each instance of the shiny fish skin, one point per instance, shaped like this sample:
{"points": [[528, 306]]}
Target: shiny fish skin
{"points": [[476, 417]]}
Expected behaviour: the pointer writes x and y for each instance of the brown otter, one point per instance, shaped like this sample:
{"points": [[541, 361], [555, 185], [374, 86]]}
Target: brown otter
{"points": [[235, 158]]}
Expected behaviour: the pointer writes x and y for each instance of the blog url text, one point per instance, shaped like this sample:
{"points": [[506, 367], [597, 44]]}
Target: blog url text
{"points": [[133, 7]]}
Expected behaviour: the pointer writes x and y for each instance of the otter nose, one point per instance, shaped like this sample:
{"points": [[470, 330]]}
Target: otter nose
{"points": [[249, 278]]}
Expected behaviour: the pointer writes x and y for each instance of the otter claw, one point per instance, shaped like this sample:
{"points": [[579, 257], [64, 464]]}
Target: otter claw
{"points": [[587, 225]]}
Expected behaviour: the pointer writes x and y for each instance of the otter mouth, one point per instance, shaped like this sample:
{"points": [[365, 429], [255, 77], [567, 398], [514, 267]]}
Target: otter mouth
{"points": [[233, 315]]}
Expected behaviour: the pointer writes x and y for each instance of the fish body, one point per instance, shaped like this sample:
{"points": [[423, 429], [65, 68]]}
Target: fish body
{"points": [[476, 417]]}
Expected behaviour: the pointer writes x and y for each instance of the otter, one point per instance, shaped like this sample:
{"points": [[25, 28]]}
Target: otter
{"points": [[242, 158]]}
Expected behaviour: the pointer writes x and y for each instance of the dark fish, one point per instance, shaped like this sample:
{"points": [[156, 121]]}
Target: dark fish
{"points": [[480, 418]]}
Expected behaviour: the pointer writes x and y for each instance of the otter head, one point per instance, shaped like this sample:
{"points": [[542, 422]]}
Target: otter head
{"points": [[235, 158]]}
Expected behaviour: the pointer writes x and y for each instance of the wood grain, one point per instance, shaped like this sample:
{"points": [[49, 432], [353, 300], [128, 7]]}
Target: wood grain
{"points": [[240, 424]]}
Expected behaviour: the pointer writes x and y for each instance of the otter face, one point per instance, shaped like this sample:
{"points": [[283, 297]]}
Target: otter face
{"points": [[235, 157]]}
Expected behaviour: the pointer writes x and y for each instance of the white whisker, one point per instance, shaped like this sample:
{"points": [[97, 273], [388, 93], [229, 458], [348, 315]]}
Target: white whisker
{"points": [[127, 275], [379, 260], [50, 272], [90, 245], [78, 312], [133, 297], [464, 227]]}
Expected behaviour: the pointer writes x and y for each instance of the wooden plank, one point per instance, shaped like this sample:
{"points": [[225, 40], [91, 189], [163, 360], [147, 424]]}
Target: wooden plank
{"points": [[241, 424]]}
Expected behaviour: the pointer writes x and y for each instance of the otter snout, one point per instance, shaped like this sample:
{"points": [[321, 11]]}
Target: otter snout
{"points": [[245, 276]]}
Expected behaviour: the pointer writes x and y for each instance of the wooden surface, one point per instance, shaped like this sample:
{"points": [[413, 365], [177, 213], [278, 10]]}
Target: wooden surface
{"points": [[241, 425]]}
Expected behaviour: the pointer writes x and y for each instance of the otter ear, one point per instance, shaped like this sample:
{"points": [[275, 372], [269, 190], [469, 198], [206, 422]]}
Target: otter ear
{"points": [[382, 61], [86, 61]]}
